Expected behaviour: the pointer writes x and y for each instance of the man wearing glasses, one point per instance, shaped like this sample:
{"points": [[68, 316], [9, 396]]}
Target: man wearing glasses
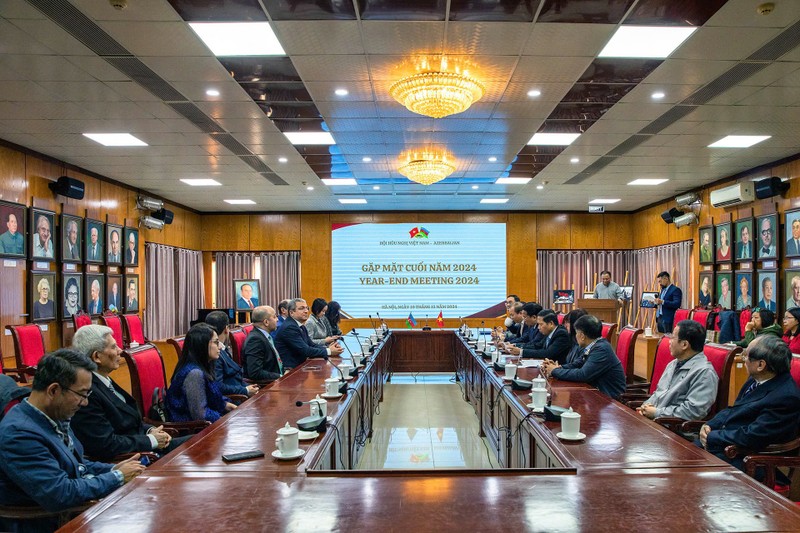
{"points": [[767, 248], [43, 462]]}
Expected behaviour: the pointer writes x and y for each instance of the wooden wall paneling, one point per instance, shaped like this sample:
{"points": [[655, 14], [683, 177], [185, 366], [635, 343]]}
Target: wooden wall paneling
{"points": [[175, 233], [225, 233], [477, 218], [192, 230], [274, 232], [617, 232], [521, 255], [315, 257], [13, 183], [115, 203], [39, 174], [586, 231], [552, 231], [351, 218], [401, 218], [442, 217], [92, 203]]}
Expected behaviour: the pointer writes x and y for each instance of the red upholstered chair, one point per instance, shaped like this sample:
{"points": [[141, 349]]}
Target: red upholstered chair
{"points": [[113, 321], [248, 328], [721, 357], [705, 317], [626, 346], [81, 319], [237, 337], [29, 348], [639, 392], [682, 314], [177, 343], [133, 329], [560, 317], [608, 331]]}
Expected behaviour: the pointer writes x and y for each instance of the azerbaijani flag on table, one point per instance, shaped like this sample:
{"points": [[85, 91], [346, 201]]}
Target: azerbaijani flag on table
{"points": [[440, 320], [410, 322]]}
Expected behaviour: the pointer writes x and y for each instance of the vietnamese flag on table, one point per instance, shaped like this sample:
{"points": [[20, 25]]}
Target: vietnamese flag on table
{"points": [[440, 320], [410, 322]]}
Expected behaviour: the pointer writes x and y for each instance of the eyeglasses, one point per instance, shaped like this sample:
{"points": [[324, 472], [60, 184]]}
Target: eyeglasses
{"points": [[83, 396], [790, 317], [766, 231]]}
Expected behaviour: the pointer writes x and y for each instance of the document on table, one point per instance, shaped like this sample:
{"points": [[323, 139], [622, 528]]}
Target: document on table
{"points": [[524, 363]]}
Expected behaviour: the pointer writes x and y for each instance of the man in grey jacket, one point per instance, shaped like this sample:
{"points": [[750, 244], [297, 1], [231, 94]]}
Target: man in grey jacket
{"points": [[688, 387]]}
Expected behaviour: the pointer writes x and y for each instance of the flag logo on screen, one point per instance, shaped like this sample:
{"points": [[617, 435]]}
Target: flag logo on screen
{"points": [[418, 233], [410, 322], [440, 320]]}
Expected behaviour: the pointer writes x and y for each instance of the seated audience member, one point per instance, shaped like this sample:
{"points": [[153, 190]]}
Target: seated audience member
{"points": [[110, 424], [10, 394], [529, 327], [283, 313], [293, 342], [791, 329], [511, 301], [516, 329], [334, 317], [262, 363], [319, 329], [762, 322], [554, 344], [598, 366], [227, 372], [767, 409], [688, 387], [569, 320], [42, 460], [194, 393]]}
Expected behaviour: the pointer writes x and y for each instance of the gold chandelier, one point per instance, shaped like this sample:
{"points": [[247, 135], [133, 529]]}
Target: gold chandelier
{"points": [[426, 166], [437, 89]]}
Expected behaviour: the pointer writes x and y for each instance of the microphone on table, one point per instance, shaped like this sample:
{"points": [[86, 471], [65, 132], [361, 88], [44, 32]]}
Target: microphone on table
{"points": [[343, 386], [461, 326], [384, 326], [354, 333], [373, 324], [426, 327]]}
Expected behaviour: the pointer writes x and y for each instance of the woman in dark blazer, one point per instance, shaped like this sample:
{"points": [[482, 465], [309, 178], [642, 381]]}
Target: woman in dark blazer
{"points": [[333, 316], [319, 329]]}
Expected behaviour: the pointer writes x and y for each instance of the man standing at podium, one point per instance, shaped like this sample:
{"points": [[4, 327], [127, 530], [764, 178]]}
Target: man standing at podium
{"points": [[607, 289]]}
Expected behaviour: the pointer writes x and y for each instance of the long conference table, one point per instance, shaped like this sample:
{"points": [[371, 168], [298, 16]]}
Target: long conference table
{"points": [[629, 473]]}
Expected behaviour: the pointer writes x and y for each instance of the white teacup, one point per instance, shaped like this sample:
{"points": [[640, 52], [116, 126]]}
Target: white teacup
{"points": [[357, 359], [346, 368], [648, 332], [539, 383], [288, 442], [570, 423], [511, 371], [539, 396], [133, 344], [365, 346], [373, 338], [319, 406], [332, 386]]}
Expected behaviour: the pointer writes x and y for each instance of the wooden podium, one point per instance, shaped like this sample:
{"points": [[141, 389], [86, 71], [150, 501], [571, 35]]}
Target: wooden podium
{"points": [[605, 310]]}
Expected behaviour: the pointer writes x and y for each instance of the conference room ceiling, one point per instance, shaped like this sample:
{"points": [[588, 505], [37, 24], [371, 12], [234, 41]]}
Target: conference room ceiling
{"points": [[142, 70]]}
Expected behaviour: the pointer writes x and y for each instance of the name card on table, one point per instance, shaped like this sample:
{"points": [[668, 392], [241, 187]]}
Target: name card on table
{"points": [[9, 263], [42, 265], [70, 267], [92, 268], [769, 265]]}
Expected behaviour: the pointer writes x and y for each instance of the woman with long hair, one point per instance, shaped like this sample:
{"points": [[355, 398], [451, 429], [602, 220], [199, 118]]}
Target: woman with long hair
{"points": [[319, 329], [193, 393], [570, 319], [334, 317], [791, 329]]}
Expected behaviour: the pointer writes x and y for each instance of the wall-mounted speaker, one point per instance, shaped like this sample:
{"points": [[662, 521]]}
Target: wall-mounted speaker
{"points": [[164, 214], [671, 215], [69, 187], [769, 187]]}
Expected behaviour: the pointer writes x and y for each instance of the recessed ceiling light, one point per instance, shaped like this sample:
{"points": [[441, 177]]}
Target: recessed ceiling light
{"points": [[352, 200], [553, 139], [575, 160], [656, 42], [494, 200], [739, 141], [339, 181], [658, 95], [604, 201], [533, 93], [240, 202], [540, 187], [648, 181], [310, 188], [512, 181], [282, 160], [115, 139], [376, 187], [474, 187], [492, 159], [366, 159], [341, 92], [238, 38], [201, 182], [309, 137], [212, 92]]}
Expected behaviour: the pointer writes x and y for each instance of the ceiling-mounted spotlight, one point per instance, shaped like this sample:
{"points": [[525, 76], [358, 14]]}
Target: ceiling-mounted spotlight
{"points": [[670, 215], [151, 222], [687, 199], [164, 215], [685, 220], [144, 202]]}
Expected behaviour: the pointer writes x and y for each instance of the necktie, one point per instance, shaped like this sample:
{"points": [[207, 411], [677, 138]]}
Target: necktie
{"points": [[547, 342], [277, 355], [250, 304], [765, 251], [117, 394], [751, 388]]}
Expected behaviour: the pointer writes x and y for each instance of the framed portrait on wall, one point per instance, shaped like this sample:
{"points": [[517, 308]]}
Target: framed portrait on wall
{"points": [[114, 293], [793, 233], [71, 291], [95, 241], [95, 283], [43, 224], [131, 245], [792, 290], [743, 236], [131, 293], [767, 290], [722, 243], [767, 237], [705, 289], [744, 289], [71, 239], [723, 286], [707, 245], [114, 248], [246, 293], [12, 230], [42, 303]]}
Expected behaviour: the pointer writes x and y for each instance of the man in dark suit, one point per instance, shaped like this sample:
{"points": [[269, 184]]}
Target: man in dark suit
{"points": [[262, 362], [95, 306], [793, 242], [131, 255], [110, 423], [227, 372], [131, 303], [767, 409], [43, 461], [113, 251], [598, 366], [292, 341], [554, 342], [529, 327], [72, 248], [668, 301]]}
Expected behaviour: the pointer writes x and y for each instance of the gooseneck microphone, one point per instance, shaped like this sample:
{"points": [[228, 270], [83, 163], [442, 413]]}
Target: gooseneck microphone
{"points": [[373, 324], [384, 326], [343, 386]]}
